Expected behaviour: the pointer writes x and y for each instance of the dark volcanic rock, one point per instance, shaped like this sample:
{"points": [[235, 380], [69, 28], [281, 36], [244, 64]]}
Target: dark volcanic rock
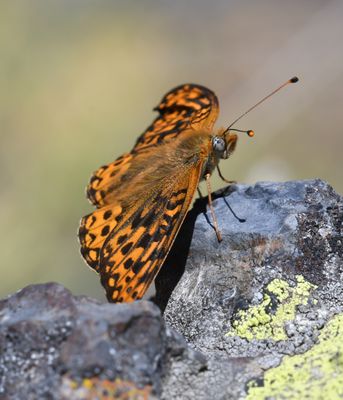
{"points": [[259, 315], [55, 346]]}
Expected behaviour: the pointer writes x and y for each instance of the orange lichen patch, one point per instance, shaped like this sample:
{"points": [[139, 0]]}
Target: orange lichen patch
{"points": [[95, 388]]}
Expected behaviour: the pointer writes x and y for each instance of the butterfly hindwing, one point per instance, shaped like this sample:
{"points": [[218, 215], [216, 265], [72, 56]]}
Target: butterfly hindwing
{"points": [[93, 231], [106, 180]]}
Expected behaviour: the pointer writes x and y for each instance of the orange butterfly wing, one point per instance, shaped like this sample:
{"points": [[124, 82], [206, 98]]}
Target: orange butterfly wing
{"points": [[93, 231], [106, 180], [134, 251], [127, 241], [185, 107]]}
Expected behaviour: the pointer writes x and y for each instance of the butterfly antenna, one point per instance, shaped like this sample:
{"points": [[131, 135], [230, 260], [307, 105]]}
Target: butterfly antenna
{"points": [[250, 132]]}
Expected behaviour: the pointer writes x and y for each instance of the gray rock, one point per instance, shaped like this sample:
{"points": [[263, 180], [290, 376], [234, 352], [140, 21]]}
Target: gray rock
{"points": [[265, 291]]}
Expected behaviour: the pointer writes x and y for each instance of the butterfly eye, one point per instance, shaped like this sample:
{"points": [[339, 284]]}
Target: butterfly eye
{"points": [[218, 144]]}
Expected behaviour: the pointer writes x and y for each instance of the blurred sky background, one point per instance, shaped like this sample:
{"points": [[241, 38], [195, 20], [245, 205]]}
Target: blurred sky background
{"points": [[79, 79]]}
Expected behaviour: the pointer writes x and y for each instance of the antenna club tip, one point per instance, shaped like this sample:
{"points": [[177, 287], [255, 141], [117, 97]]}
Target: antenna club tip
{"points": [[250, 133], [294, 79]]}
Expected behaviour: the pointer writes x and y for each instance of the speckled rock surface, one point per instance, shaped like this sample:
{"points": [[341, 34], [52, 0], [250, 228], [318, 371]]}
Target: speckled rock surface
{"points": [[269, 289], [57, 346], [257, 316]]}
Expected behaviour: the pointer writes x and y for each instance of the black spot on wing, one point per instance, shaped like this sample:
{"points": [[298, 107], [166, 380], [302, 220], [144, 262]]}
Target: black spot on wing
{"points": [[144, 241], [121, 239], [107, 214], [128, 263], [126, 248], [105, 230], [115, 276], [137, 266]]}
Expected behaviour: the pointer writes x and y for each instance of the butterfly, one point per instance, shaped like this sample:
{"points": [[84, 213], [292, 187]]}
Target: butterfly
{"points": [[142, 197]]}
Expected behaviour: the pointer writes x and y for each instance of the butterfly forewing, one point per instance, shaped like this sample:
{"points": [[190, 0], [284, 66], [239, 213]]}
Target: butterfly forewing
{"points": [[134, 252]]}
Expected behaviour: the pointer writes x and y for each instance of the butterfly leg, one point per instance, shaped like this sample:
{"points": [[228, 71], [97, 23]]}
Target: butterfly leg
{"points": [[215, 222]]}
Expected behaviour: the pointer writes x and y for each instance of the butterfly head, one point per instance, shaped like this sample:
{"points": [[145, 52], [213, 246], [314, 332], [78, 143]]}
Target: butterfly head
{"points": [[224, 142]]}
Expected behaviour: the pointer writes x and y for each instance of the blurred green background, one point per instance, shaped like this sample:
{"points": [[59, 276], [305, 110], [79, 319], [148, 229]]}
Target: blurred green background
{"points": [[79, 79]]}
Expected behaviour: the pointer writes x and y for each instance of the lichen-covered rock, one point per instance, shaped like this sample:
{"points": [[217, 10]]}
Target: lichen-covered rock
{"points": [[316, 374], [269, 289]]}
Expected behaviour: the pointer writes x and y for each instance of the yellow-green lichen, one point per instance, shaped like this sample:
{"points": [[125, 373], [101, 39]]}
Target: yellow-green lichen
{"points": [[258, 322], [316, 374]]}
